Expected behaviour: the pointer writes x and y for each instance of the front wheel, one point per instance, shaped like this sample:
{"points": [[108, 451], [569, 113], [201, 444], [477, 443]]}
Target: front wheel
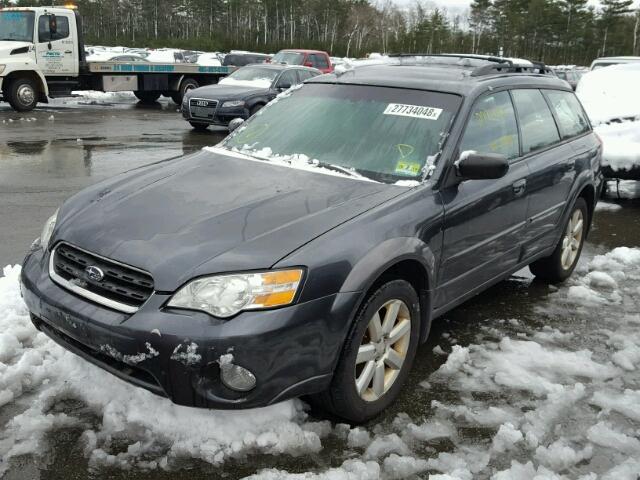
{"points": [[22, 94], [377, 355], [560, 264]]}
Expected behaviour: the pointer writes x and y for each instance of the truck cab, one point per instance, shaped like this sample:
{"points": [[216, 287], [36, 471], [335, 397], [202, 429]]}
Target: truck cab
{"points": [[39, 48]]}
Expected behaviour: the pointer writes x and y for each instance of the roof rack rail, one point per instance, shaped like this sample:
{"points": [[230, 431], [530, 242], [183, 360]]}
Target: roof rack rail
{"points": [[496, 65]]}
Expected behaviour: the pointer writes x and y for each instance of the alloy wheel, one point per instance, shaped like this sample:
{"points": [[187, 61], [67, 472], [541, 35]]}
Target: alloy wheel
{"points": [[383, 350], [572, 239]]}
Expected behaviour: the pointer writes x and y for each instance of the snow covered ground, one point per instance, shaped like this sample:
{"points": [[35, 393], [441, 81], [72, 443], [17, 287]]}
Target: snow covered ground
{"points": [[552, 394]]}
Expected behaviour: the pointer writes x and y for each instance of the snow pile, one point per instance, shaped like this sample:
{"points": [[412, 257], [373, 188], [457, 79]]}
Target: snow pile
{"points": [[35, 373]]}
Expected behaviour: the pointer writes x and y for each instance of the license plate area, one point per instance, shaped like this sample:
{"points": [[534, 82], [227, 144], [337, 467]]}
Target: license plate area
{"points": [[201, 108]]}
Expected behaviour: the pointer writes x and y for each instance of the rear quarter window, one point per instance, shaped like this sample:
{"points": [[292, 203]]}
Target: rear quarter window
{"points": [[537, 126], [572, 120]]}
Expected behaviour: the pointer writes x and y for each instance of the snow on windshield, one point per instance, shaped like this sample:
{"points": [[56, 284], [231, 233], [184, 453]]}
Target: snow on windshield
{"points": [[551, 394]]}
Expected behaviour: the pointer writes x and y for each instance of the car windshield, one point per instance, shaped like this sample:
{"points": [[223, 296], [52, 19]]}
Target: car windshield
{"points": [[252, 76], [384, 134], [16, 26], [292, 58]]}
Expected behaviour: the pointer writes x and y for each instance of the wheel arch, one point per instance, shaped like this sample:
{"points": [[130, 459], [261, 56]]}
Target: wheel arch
{"points": [[32, 74], [405, 258]]}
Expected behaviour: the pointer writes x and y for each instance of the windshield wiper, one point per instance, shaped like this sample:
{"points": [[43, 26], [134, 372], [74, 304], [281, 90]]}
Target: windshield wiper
{"points": [[11, 40], [338, 168]]}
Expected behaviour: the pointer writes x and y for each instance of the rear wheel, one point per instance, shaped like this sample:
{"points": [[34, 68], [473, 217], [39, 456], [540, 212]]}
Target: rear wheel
{"points": [[22, 94], [560, 264], [147, 97], [200, 127], [377, 355]]}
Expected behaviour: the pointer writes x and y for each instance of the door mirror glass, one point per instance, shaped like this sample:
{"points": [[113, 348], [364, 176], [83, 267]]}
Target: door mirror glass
{"points": [[235, 123], [482, 166]]}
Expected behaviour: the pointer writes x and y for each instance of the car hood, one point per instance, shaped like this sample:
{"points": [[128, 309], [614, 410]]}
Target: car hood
{"points": [[216, 92], [7, 47], [211, 212]]}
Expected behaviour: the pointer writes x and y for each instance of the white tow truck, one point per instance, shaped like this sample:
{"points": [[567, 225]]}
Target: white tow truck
{"points": [[42, 56]]}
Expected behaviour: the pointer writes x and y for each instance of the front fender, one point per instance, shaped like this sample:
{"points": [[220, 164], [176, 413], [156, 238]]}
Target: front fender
{"points": [[24, 65]]}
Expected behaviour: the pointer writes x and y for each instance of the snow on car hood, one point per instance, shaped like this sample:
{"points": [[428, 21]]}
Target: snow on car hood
{"points": [[211, 212], [256, 83], [611, 92]]}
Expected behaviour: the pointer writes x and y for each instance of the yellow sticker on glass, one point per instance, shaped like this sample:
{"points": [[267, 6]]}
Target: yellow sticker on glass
{"points": [[407, 168]]}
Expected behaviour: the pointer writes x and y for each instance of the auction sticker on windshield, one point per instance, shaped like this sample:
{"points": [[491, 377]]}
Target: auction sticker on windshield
{"points": [[415, 111]]}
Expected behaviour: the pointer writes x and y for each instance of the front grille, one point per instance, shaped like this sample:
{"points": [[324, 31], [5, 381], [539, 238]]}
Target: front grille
{"points": [[202, 108], [121, 284]]}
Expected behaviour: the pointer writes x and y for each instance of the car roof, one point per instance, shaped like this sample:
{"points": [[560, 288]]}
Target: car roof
{"points": [[302, 50], [466, 78], [280, 66]]}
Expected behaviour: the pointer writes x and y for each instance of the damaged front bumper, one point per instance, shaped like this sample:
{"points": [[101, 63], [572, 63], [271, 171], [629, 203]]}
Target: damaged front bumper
{"points": [[291, 351]]}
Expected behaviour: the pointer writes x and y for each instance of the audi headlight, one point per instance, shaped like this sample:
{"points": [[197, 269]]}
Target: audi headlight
{"points": [[47, 230], [225, 295], [233, 103]]}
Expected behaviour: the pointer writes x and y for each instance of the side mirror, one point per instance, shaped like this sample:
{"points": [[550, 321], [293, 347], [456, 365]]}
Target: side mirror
{"points": [[308, 64], [482, 166], [284, 86], [53, 24], [235, 123]]}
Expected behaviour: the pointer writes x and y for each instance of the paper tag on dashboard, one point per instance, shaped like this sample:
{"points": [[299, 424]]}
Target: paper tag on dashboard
{"points": [[415, 111]]}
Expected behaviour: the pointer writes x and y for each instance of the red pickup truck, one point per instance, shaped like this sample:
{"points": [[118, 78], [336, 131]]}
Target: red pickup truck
{"points": [[309, 58]]}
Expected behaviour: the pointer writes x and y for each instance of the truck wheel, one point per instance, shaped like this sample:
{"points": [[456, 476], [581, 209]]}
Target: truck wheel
{"points": [[147, 97], [22, 94], [377, 355], [186, 85], [200, 127], [560, 264]]}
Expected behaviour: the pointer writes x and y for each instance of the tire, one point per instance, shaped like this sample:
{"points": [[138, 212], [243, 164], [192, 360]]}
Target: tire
{"points": [[200, 127], [22, 94], [147, 97], [186, 85], [560, 264], [343, 398], [255, 109]]}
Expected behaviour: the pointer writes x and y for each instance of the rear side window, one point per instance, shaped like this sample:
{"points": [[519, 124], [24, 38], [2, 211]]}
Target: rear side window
{"points": [[571, 117], [306, 74], [318, 61], [537, 126], [492, 127]]}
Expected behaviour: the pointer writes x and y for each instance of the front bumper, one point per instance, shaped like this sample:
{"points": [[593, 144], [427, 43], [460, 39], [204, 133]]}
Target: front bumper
{"points": [[222, 116], [292, 351]]}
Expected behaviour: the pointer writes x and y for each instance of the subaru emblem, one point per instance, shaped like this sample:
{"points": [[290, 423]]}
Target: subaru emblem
{"points": [[94, 273]]}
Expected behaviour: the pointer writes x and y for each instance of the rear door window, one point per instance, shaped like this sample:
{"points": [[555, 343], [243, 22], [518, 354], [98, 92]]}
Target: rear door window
{"points": [[492, 127], [537, 126], [571, 117]]}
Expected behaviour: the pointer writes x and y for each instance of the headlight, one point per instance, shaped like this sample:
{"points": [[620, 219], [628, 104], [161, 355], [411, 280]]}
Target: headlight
{"points": [[225, 295], [233, 103], [47, 230]]}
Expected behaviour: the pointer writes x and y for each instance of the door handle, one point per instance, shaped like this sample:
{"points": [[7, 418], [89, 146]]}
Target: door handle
{"points": [[68, 51], [519, 187]]}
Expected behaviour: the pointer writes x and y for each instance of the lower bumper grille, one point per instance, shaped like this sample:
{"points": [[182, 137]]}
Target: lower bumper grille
{"points": [[102, 280]]}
